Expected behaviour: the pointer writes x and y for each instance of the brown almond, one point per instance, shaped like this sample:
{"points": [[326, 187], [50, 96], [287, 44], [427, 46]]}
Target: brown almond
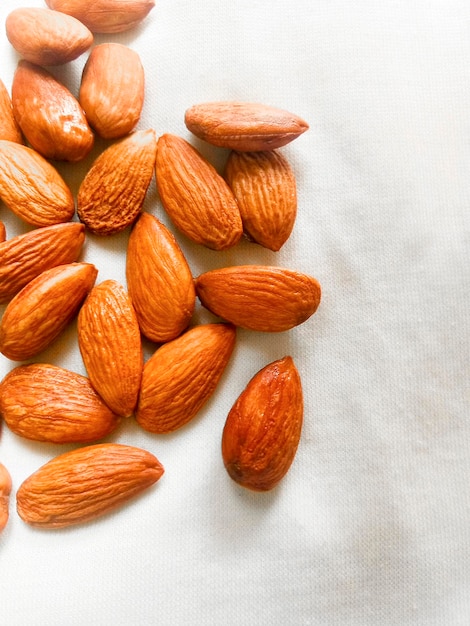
{"points": [[45, 402], [9, 128], [181, 376], [3, 232], [61, 493], [5, 490]]}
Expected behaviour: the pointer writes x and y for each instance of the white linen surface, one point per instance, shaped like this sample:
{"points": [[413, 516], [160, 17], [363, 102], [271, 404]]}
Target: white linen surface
{"points": [[371, 526]]}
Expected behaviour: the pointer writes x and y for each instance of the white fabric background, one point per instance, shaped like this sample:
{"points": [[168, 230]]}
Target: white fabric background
{"points": [[371, 526]]}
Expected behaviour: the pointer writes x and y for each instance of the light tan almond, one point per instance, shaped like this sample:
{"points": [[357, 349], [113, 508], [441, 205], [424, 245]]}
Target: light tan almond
{"points": [[5, 490], [112, 89], [25, 256], [49, 115], [38, 313], [159, 280], [46, 37], [32, 188], [197, 199], [265, 188], [181, 376], [262, 431], [244, 126], [259, 297], [9, 128], [61, 493], [45, 402], [111, 195], [111, 347]]}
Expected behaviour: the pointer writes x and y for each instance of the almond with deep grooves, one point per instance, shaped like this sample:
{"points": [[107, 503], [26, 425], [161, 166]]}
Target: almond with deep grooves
{"points": [[265, 188], [9, 129], [181, 376], [259, 297], [111, 195], [38, 313], [111, 347], [159, 280], [83, 484], [5, 490], [243, 126], [45, 402], [263, 428], [197, 199], [25, 256], [32, 188]]}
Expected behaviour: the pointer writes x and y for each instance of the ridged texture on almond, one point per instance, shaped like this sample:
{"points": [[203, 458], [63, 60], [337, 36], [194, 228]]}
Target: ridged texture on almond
{"points": [[32, 188], [47, 37], [38, 313], [84, 484], [265, 188], [112, 89], [263, 428], [159, 280], [197, 199], [9, 129], [111, 347], [5, 490], [49, 115], [244, 126], [259, 297], [111, 195], [45, 402], [25, 256], [181, 376]]}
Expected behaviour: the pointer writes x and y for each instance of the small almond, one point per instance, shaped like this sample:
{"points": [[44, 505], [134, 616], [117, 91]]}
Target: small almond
{"points": [[5, 490], [9, 128]]}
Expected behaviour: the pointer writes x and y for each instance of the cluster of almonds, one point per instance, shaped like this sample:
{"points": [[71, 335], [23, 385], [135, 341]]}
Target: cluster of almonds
{"points": [[44, 286]]}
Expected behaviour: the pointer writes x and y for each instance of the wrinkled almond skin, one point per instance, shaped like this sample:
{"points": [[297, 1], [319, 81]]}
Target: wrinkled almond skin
{"points": [[111, 195], [49, 115], [112, 89], [45, 402], [46, 37], [111, 347], [105, 16], [25, 256], [38, 313], [243, 126], [259, 297], [9, 129], [32, 188], [197, 199], [81, 485], [181, 376], [264, 186], [5, 490], [262, 431], [159, 280]]}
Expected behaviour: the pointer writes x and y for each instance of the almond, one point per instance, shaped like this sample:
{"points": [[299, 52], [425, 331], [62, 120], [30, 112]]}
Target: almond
{"points": [[32, 188], [105, 16], [264, 186], [112, 89], [197, 199], [3, 232], [181, 376], [113, 191], [259, 297], [38, 313], [159, 280], [110, 344], [263, 428], [243, 126], [83, 484], [49, 115], [25, 256], [45, 402], [5, 490], [47, 37], [9, 129]]}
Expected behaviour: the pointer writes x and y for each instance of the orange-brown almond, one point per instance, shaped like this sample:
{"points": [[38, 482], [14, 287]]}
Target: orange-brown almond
{"points": [[181, 376], [9, 129], [159, 280], [48, 403], [197, 199], [259, 297], [38, 313], [5, 490], [111, 195], [111, 347], [83, 484], [262, 431], [3, 232]]}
